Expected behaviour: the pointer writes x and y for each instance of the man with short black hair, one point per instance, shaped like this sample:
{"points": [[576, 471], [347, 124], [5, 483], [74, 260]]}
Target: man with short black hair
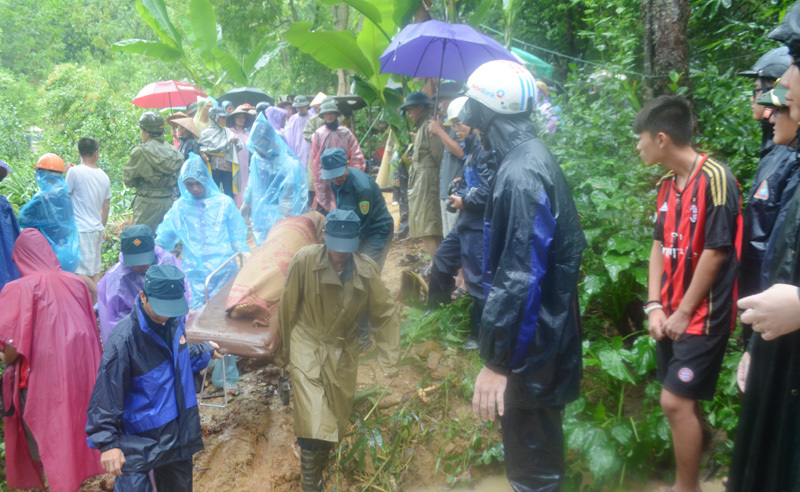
{"points": [[90, 189], [143, 412], [692, 280]]}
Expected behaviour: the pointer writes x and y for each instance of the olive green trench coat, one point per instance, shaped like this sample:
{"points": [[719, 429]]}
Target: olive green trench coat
{"points": [[319, 315], [152, 170], [424, 209]]}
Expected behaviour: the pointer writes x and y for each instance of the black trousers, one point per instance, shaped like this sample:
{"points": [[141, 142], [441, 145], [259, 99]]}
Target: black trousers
{"points": [[223, 179], [174, 477], [533, 441]]}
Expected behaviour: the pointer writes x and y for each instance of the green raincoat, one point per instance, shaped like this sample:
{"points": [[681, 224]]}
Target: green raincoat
{"points": [[153, 171], [424, 210], [318, 317]]}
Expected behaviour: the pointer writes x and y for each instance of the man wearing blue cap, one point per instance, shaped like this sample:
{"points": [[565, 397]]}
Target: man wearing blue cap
{"points": [[143, 412], [118, 290], [329, 288]]}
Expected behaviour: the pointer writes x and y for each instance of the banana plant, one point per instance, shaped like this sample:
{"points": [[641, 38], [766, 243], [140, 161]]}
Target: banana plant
{"points": [[360, 54], [199, 32]]}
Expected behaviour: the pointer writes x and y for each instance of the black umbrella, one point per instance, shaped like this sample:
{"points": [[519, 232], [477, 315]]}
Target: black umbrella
{"points": [[249, 95]]}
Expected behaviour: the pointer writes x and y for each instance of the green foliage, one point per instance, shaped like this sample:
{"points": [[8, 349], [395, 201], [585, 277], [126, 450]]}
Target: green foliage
{"points": [[76, 102]]}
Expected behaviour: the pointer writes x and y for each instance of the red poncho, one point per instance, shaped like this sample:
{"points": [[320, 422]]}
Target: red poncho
{"points": [[47, 317]]}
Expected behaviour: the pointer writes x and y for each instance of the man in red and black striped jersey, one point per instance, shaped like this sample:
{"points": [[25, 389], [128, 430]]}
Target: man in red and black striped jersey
{"points": [[692, 280]]}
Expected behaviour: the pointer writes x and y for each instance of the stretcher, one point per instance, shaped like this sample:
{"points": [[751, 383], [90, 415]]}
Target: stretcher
{"points": [[239, 337]]}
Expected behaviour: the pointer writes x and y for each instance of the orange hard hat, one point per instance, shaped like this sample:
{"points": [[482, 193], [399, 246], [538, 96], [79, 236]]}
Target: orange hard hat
{"points": [[51, 162]]}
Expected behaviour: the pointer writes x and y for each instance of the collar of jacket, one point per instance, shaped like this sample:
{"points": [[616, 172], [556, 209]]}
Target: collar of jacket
{"points": [[505, 133], [329, 276]]}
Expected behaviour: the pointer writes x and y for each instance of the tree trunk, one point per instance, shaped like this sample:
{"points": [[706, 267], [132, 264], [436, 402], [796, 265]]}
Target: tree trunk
{"points": [[665, 44], [341, 14]]}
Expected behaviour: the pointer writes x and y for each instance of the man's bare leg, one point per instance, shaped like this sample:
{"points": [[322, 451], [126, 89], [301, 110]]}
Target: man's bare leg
{"points": [[431, 243], [687, 438]]}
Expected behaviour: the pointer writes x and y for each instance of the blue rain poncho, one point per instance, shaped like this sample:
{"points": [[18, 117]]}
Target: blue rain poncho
{"points": [[277, 186], [211, 230], [50, 211]]}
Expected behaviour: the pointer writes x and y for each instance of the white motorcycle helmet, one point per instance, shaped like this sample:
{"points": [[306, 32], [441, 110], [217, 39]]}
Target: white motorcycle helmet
{"points": [[503, 86], [454, 108]]}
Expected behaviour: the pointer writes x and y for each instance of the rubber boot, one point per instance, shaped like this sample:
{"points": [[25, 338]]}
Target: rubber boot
{"points": [[312, 464]]}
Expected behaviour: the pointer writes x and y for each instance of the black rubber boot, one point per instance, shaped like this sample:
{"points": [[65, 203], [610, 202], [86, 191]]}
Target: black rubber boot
{"points": [[312, 464]]}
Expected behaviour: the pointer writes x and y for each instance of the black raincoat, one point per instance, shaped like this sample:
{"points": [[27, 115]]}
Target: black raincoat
{"points": [[767, 452], [144, 399], [533, 244]]}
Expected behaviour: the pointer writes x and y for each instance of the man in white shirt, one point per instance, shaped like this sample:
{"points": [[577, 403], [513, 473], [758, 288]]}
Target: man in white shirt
{"points": [[90, 189]]}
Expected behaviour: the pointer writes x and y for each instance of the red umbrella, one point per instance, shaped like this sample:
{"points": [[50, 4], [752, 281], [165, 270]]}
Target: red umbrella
{"points": [[168, 94]]}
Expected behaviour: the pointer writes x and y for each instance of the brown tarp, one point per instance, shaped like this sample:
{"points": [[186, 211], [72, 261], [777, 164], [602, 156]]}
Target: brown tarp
{"points": [[239, 316]]}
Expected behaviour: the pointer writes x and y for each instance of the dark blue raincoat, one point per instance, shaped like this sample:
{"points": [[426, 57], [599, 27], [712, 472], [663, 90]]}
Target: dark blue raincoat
{"points": [[9, 232], [144, 400]]}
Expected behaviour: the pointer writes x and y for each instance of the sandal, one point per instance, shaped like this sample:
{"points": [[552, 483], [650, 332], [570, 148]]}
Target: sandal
{"points": [[458, 293]]}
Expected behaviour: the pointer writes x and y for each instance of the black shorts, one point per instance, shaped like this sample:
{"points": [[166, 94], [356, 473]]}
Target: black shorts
{"points": [[689, 367]]}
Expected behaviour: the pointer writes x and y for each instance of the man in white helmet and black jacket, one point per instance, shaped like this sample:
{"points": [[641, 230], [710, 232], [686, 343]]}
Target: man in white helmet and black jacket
{"points": [[530, 337]]}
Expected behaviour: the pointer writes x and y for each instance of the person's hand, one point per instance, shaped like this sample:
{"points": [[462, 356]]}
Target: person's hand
{"points": [[490, 388], [457, 202], [235, 140], [657, 318], [774, 312], [676, 325], [435, 127], [743, 370], [217, 353], [69, 165], [112, 461]]}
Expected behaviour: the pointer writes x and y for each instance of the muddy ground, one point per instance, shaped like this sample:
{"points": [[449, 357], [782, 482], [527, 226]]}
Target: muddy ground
{"points": [[250, 445]]}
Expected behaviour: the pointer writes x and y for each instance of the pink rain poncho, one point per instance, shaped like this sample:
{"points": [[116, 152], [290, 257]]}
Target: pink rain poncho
{"points": [[325, 138], [47, 317], [118, 289], [293, 132]]}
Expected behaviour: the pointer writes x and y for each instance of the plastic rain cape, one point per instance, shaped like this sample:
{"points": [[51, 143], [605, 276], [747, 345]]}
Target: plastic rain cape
{"points": [[277, 186], [210, 229], [50, 211]]}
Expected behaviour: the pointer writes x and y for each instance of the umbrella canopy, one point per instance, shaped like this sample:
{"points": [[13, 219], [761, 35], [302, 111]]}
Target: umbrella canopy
{"points": [[249, 95], [440, 50], [167, 94], [537, 66]]}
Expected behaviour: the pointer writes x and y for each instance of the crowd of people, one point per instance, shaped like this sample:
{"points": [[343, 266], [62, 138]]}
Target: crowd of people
{"points": [[490, 205]]}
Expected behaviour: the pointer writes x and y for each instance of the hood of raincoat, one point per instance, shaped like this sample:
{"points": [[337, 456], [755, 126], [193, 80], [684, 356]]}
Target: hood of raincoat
{"points": [[32, 253], [277, 186], [214, 138], [195, 168], [499, 133], [275, 115], [50, 211]]}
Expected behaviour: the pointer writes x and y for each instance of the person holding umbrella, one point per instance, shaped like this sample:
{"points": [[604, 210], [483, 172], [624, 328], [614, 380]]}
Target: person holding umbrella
{"points": [[425, 216], [219, 148], [294, 130], [152, 170]]}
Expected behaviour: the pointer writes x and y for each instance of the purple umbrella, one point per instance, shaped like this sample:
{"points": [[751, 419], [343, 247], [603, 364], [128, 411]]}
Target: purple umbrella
{"points": [[440, 50]]}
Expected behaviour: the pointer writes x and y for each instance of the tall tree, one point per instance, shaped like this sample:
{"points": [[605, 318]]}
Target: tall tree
{"points": [[666, 43]]}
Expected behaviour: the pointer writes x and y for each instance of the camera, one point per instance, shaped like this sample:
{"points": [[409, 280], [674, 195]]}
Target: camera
{"points": [[455, 188]]}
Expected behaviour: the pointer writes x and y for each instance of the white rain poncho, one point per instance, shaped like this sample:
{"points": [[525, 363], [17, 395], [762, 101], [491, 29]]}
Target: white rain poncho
{"points": [[211, 230], [277, 186]]}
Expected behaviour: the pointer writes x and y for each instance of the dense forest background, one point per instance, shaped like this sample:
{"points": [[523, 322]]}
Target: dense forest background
{"points": [[60, 72]]}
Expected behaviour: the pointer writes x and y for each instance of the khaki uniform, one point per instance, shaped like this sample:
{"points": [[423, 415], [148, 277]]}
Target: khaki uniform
{"points": [[424, 210], [152, 170], [318, 317]]}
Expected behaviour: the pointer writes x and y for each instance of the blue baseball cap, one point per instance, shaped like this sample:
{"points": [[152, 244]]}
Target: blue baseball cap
{"points": [[342, 229], [137, 245], [334, 163], [165, 291]]}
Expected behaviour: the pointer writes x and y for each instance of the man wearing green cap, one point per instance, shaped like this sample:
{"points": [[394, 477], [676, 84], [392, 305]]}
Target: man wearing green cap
{"points": [[118, 290], [424, 210], [143, 412], [152, 170], [329, 288]]}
